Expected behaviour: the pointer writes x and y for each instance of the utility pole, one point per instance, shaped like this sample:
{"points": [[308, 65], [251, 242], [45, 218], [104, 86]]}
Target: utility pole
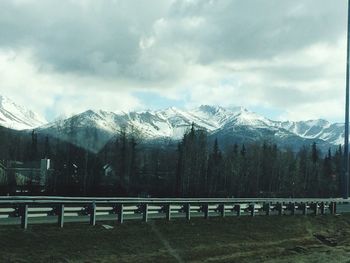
{"points": [[346, 134]]}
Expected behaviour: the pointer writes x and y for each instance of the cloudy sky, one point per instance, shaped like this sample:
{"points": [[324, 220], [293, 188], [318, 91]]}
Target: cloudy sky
{"points": [[283, 59]]}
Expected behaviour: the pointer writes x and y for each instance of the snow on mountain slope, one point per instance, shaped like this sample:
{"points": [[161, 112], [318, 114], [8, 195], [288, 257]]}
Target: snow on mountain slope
{"points": [[316, 129], [170, 123], [93, 129], [17, 117]]}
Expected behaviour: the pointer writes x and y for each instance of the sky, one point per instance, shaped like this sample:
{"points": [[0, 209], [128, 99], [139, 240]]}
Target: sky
{"points": [[282, 59]]}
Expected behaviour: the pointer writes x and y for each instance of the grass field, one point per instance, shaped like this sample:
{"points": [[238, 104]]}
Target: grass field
{"points": [[245, 239]]}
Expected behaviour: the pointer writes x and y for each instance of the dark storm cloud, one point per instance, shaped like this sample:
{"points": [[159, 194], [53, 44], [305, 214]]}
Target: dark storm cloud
{"points": [[100, 37], [235, 29], [103, 37]]}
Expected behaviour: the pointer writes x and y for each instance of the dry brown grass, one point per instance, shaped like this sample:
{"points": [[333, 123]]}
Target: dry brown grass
{"points": [[245, 239]]}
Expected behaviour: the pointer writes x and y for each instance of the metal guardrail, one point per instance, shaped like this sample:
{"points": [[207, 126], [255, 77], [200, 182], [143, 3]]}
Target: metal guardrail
{"points": [[121, 209]]}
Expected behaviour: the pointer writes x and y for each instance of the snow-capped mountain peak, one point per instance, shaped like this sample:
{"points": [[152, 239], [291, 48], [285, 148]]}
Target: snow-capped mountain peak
{"points": [[316, 129], [94, 128], [18, 117], [246, 117]]}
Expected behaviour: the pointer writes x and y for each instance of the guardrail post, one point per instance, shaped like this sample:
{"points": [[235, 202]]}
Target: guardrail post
{"points": [[304, 209], [252, 209], [222, 210], [323, 208], [333, 208], [168, 212], [238, 209], [292, 208], [24, 216], [60, 215], [206, 211], [316, 209], [188, 211], [280, 209], [145, 213], [120, 212], [268, 209], [93, 214]]}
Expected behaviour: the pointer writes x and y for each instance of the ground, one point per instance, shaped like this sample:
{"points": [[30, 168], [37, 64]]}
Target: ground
{"points": [[244, 239]]}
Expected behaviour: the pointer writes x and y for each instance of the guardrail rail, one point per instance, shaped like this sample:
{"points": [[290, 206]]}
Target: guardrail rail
{"points": [[26, 210]]}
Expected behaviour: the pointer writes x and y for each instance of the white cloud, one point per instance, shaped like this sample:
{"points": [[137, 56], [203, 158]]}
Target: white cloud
{"points": [[57, 94], [64, 57]]}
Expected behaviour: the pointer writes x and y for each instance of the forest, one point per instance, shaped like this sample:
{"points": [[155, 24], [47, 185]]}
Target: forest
{"points": [[196, 166]]}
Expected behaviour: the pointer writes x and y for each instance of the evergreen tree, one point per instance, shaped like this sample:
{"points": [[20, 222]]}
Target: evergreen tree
{"points": [[215, 174], [34, 147], [47, 148], [315, 173]]}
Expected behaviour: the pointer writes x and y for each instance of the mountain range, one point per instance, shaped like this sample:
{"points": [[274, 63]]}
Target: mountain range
{"points": [[93, 129], [18, 117]]}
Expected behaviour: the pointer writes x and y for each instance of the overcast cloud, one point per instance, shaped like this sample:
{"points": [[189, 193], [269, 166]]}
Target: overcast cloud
{"points": [[284, 58]]}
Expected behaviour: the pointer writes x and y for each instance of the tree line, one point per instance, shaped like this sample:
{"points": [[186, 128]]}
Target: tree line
{"points": [[197, 166], [255, 170]]}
